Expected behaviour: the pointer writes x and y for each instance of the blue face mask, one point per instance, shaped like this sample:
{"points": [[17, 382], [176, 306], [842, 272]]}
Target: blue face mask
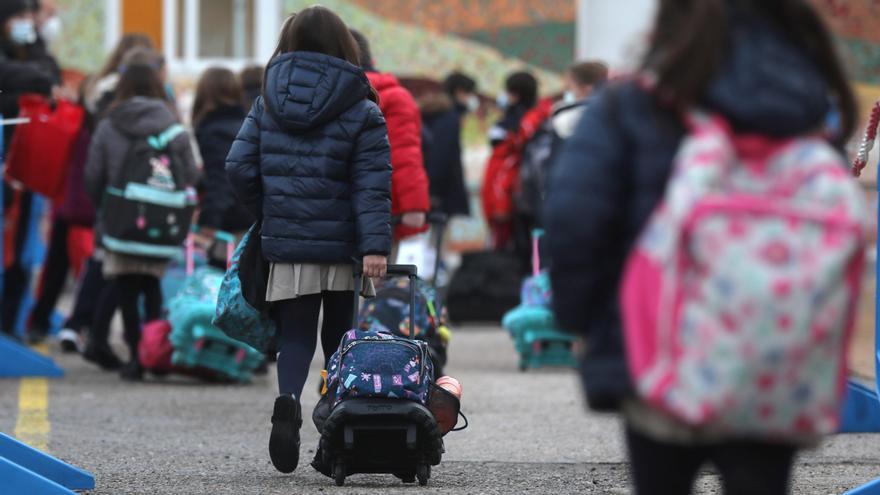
{"points": [[22, 32], [502, 100]]}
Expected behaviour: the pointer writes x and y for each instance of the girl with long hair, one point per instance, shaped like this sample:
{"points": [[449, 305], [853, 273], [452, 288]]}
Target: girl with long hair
{"points": [[312, 164], [769, 69]]}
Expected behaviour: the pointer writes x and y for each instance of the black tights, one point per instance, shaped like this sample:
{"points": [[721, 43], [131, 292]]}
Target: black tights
{"points": [[297, 321], [746, 468], [126, 290]]}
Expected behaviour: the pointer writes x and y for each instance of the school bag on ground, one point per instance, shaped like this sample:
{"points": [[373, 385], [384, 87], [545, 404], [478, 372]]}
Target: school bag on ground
{"points": [[148, 208], [739, 296], [375, 416], [484, 287], [537, 338]]}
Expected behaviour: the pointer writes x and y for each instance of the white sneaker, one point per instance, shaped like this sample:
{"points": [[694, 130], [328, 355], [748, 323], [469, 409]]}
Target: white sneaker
{"points": [[70, 340]]}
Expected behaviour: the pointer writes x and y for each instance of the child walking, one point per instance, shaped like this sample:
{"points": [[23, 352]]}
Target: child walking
{"points": [[139, 111], [769, 69], [312, 163]]}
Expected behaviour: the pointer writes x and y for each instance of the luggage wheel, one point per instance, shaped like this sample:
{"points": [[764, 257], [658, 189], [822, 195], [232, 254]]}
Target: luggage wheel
{"points": [[339, 473], [423, 473]]}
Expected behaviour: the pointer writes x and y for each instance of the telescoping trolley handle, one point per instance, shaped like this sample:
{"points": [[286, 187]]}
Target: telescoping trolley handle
{"points": [[409, 271]]}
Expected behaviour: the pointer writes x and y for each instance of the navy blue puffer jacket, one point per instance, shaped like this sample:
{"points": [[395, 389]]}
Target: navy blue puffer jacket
{"points": [[613, 171], [312, 161]]}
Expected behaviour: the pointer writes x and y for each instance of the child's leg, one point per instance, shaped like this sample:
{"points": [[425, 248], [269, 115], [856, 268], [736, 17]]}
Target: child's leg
{"points": [[338, 308], [297, 321], [128, 289], [152, 291]]}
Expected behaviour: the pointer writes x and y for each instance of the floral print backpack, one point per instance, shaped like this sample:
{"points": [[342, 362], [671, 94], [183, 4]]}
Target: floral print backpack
{"points": [[739, 296]]}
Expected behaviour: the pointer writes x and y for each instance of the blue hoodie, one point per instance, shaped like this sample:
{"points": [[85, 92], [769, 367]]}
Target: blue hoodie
{"points": [[312, 161], [613, 171]]}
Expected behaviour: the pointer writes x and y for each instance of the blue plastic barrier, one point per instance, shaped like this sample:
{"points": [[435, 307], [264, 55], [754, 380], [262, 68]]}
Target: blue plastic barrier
{"points": [[42, 465], [17, 360]]}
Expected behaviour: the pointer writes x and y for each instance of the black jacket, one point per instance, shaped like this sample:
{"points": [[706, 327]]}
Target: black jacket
{"points": [[313, 162], [219, 208], [613, 171], [442, 123]]}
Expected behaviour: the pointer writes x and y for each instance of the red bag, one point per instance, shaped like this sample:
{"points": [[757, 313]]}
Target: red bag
{"points": [[39, 152], [154, 350], [80, 244]]}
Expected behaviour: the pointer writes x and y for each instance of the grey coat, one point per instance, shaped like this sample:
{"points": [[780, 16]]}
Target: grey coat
{"points": [[136, 118]]}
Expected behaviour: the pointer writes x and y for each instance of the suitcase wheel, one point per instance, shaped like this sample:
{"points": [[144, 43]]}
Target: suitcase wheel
{"points": [[423, 473], [339, 473]]}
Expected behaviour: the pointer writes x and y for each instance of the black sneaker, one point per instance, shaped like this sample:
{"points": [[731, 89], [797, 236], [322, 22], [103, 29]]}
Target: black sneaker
{"points": [[284, 440], [132, 372], [103, 357]]}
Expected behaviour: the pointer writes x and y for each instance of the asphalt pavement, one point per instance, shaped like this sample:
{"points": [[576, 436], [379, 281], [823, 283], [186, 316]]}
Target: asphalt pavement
{"points": [[529, 433]]}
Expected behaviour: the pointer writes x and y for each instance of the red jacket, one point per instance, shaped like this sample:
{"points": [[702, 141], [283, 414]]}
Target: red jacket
{"points": [[409, 181], [502, 171]]}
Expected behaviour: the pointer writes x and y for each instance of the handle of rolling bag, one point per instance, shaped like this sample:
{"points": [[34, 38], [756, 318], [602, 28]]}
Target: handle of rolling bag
{"points": [[219, 235], [409, 271], [438, 220], [536, 257]]}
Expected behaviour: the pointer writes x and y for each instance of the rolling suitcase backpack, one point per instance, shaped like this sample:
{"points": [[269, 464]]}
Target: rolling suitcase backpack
{"points": [[537, 338], [378, 387]]}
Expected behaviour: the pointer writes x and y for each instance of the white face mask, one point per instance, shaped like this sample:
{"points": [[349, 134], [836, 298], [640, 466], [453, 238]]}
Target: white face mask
{"points": [[473, 103], [569, 97], [22, 32], [502, 100], [51, 29]]}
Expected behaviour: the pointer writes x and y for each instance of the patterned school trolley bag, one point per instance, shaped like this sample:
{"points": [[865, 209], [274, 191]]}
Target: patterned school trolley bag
{"points": [[739, 296]]}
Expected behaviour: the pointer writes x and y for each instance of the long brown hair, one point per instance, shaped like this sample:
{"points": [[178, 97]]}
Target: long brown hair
{"points": [[126, 43], [139, 80], [217, 87], [318, 29], [689, 43]]}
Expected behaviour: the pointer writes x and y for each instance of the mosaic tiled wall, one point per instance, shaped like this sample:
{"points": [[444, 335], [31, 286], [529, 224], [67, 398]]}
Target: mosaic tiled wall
{"points": [[81, 45], [857, 26], [488, 39]]}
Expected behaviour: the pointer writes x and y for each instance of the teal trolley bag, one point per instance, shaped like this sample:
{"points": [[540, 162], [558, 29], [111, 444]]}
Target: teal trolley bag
{"points": [[534, 331], [197, 342]]}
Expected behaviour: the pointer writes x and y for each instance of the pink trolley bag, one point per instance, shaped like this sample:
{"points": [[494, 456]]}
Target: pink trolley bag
{"points": [[739, 297]]}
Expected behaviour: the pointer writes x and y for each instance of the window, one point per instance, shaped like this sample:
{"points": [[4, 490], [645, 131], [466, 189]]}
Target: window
{"points": [[199, 33]]}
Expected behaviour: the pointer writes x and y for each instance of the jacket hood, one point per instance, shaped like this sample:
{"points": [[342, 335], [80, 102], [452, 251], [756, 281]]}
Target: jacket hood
{"points": [[305, 90], [141, 116], [767, 85]]}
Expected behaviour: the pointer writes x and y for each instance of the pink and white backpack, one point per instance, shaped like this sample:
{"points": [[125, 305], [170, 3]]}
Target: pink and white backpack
{"points": [[739, 297]]}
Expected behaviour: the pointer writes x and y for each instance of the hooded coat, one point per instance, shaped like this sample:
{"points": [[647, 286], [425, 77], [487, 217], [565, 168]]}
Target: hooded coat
{"points": [[215, 133], [409, 181], [135, 118], [612, 174], [442, 122], [312, 161]]}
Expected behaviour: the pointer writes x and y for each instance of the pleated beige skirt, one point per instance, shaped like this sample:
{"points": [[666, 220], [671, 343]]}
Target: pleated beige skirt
{"points": [[291, 280]]}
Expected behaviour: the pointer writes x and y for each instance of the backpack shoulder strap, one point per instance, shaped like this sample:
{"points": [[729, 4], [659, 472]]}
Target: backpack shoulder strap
{"points": [[161, 141]]}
